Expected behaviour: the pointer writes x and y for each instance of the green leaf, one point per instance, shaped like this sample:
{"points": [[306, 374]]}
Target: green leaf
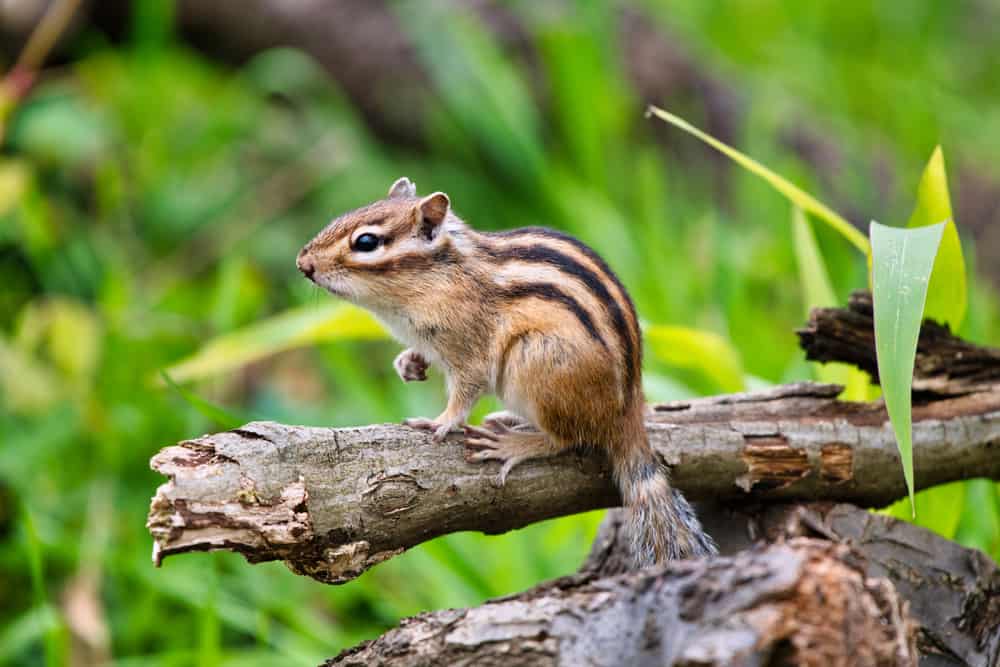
{"points": [[28, 385], [59, 128], [294, 328], [902, 260], [793, 193], [701, 351], [947, 295], [813, 275], [21, 632], [818, 293]]}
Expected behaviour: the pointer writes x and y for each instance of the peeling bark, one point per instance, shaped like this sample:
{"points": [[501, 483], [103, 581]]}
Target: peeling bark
{"points": [[806, 602]]}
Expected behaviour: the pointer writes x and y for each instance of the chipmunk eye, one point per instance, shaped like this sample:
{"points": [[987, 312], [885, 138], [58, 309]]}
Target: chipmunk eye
{"points": [[366, 243]]}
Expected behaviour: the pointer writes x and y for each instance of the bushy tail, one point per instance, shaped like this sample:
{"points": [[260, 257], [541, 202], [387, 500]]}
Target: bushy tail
{"points": [[661, 524]]}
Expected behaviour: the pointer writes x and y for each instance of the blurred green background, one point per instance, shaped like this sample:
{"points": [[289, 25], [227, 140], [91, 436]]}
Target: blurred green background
{"points": [[159, 178]]}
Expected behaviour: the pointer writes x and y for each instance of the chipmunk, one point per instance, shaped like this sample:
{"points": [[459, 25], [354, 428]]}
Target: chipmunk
{"points": [[532, 315]]}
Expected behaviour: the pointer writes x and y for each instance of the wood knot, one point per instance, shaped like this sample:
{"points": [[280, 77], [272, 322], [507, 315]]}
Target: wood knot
{"points": [[390, 494]]}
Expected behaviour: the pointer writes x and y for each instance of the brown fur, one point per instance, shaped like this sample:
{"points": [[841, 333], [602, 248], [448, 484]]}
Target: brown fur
{"points": [[532, 315]]}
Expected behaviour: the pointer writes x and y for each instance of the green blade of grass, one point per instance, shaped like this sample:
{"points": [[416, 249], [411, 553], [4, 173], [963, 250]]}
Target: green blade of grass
{"points": [[793, 193], [947, 294], [219, 415], [52, 637], [294, 328], [14, 178], [980, 528], [902, 260], [701, 351], [816, 287]]}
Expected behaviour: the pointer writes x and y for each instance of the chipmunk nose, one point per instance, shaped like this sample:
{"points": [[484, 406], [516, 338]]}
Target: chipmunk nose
{"points": [[305, 265]]}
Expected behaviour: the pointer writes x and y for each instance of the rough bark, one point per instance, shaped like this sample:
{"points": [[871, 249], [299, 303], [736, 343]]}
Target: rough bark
{"points": [[945, 365], [334, 502], [806, 602], [952, 593]]}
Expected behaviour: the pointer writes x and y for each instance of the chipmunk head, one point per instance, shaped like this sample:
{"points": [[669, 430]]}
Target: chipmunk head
{"points": [[387, 253]]}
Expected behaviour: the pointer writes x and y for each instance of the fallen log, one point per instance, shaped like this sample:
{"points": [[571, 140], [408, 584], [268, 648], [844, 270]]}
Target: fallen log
{"points": [[805, 602], [952, 593]]}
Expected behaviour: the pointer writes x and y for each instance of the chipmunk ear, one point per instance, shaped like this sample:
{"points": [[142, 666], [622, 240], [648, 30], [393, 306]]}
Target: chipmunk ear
{"points": [[403, 187], [433, 211]]}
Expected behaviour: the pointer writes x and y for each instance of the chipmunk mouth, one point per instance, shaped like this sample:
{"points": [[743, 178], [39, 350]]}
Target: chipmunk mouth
{"points": [[334, 287]]}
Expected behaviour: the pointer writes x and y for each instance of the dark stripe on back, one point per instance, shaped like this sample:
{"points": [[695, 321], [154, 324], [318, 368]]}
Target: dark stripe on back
{"points": [[550, 292], [634, 346], [567, 264]]}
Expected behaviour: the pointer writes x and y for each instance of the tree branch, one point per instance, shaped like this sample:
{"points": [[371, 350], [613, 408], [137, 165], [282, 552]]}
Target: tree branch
{"points": [[334, 502], [945, 364]]}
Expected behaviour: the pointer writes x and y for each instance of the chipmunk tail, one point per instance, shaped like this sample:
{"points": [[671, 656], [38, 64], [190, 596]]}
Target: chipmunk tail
{"points": [[661, 523]]}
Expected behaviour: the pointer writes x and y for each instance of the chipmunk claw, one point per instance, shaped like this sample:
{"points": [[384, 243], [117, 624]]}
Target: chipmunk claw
{"points": [[421, 423], [489, 445], [504, 420], [438, 431], [478, 437]]}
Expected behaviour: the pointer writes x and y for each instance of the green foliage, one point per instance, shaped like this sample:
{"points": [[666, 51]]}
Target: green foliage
{"points": [[701, 351], [220, 417], [902, 261], [307, 325], [947, 294], [817, 292], [152, 204]]}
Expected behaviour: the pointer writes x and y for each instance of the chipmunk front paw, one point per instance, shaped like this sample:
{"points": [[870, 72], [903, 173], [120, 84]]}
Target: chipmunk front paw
{"points": [[411, 366]]}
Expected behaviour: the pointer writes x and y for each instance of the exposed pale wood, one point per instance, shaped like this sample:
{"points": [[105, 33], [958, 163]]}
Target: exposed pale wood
{"points": [[334, 502]]}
